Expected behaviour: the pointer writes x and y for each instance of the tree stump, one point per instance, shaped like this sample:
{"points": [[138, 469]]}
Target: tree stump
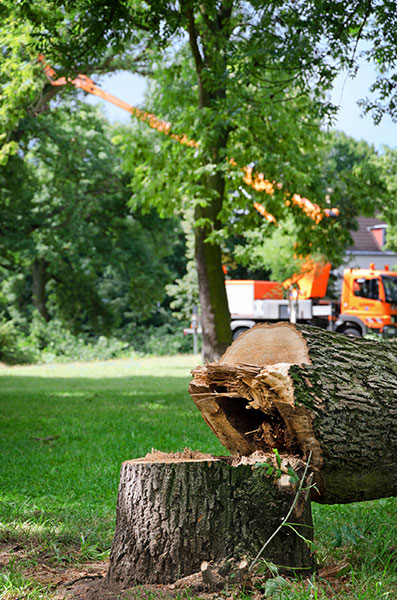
{"points": [[175, 511], [301, 389]]}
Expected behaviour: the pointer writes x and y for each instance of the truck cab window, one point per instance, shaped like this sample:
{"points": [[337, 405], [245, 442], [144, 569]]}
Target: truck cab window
{"points": [[390, 285], [366, 288]]}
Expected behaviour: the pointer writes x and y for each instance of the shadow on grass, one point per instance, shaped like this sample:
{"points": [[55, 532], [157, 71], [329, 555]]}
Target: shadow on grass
{"points": [[63, 439]]}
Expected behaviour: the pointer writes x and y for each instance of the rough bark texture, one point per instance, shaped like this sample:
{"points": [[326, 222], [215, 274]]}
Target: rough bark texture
{"points": [[173, 513], [308, 389], [215, 316]]}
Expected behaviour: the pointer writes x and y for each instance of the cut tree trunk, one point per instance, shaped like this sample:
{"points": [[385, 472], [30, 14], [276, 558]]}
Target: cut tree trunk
{"points": [[302, 389], [175, 511]]}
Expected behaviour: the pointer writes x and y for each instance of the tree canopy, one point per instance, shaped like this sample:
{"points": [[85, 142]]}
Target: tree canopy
{"points": [[350, 176], [247, 80], [66, 226]]}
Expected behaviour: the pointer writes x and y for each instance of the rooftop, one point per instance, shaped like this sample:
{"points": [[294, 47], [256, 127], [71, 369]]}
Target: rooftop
{"points": [[369, 235]]}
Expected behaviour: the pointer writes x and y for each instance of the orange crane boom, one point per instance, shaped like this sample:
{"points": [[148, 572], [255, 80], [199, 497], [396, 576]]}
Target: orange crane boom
{"points": [[256, 181]]}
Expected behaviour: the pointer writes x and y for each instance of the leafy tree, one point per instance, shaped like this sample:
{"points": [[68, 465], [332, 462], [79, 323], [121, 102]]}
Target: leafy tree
{"points": [[248, 59], [59, 177], [227, 41], [380, 48], [350, 176], [24, 89], [387, 162], [67, 228], [20, 84]]}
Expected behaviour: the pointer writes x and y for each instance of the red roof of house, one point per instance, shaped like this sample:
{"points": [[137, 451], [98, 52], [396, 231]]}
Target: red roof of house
{"points": [[364, 239]]}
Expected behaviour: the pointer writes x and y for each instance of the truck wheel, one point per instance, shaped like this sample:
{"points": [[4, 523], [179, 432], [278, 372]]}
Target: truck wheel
{"points": [[238, 332], [352, 332]]}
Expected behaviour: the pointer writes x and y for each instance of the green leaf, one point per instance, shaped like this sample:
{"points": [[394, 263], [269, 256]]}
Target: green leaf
{"points": [[274, 587], [278, 457], [294, 479]]}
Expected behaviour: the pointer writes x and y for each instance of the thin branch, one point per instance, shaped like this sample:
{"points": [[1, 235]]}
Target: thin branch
{"points": [[284, 521], [42, 104], [351, 61], [366, 17], [198, 59]]}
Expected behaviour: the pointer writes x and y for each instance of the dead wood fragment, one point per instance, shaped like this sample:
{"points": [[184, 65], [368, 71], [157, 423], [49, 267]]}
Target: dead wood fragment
{"points": [[242, 571], [210, 579], [70, 584]]}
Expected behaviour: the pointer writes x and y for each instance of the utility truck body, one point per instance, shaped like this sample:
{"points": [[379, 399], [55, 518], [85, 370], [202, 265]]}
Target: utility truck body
{"points": [[247, 308], [368, 302]]}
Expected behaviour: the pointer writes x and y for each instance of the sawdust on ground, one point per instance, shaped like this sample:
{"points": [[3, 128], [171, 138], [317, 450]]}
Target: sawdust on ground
{"points": [[88, 581]]}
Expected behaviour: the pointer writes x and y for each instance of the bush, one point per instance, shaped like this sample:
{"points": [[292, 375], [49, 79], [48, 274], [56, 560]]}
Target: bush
{"points": [[162, 339], [53, 342], [12, 350]]}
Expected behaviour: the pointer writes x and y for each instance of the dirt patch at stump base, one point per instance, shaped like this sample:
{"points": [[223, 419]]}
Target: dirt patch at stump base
{"points": [[88, 581], [102, 589]]}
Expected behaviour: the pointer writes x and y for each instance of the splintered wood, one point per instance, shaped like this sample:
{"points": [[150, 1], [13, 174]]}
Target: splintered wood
{"points": [[238, 404], [303, 390], [248, 397]]}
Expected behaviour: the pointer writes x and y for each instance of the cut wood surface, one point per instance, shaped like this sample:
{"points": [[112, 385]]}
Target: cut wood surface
{"points": [[302, 389], [177, 513]]}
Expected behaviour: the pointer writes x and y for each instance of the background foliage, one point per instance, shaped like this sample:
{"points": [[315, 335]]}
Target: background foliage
{"points": [[98, 221]]}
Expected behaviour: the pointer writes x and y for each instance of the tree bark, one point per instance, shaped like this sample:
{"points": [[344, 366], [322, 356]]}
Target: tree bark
{"points": [[176, 511], [307, 389], [39, 268], [215, 316], [206, 39]]}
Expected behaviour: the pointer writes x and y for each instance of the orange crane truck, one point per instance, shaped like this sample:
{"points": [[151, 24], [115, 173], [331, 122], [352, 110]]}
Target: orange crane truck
{"points": [[368, 302]]}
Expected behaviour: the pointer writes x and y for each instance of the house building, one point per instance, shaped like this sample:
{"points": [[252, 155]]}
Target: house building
{"points": [[369, 246]]}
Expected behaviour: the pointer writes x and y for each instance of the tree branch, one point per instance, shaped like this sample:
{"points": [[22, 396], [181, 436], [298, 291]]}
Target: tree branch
{"points": [[42, 104], [198, 59], [366, 17]]}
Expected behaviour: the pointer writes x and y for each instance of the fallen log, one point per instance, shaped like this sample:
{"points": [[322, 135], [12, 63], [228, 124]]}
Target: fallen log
{"points": [[300, 389], [176, 513]]}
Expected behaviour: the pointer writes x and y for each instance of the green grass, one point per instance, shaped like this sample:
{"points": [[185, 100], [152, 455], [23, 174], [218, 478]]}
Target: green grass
{"points": [[64, 490], [60, 494]]}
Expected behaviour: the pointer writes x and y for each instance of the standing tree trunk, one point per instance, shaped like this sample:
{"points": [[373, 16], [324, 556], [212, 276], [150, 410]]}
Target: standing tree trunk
{"points": [[207, 43], [215, 316], [302, 389], [39, 273], [176, 510]]}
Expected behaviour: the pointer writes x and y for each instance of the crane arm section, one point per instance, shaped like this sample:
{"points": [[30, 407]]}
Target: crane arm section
{"points": [[257, 181]]}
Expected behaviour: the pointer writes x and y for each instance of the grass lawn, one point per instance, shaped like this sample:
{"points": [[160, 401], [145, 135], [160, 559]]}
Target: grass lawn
{"points": [[66, 428]]}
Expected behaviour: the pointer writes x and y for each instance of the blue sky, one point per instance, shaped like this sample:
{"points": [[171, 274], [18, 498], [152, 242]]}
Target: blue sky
{"points": [[346, 93]]}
